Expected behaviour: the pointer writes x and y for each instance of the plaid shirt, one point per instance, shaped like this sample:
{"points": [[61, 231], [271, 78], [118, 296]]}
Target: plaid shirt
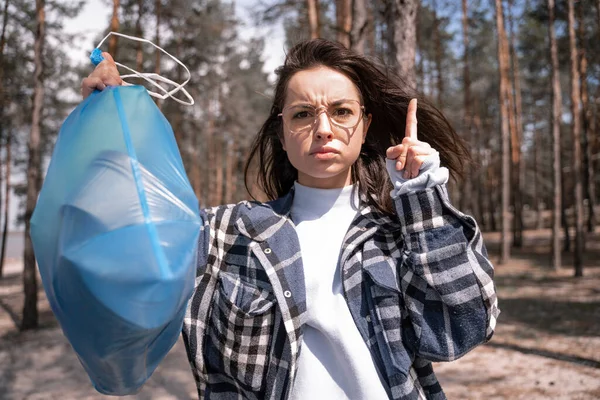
{"points": [[419, 289]]}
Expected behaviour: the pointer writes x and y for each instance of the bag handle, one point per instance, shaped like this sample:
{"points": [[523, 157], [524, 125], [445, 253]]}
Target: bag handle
{"points": [[150, 77]]}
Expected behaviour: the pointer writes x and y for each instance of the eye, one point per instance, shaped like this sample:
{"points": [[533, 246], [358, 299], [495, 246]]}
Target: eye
{"points": [[301, 115], [342, 112]]}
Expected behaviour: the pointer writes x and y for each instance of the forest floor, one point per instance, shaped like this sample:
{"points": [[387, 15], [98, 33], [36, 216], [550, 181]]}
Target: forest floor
{"points": [[546, 346]]}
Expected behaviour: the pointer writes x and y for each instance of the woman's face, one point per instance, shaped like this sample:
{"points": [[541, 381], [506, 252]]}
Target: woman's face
{"points": [[320, 135]]}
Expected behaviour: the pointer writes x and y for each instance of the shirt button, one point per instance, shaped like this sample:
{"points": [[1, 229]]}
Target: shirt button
{"points": [[267, 251], [287, 294], [368, 318], [364, 228]]}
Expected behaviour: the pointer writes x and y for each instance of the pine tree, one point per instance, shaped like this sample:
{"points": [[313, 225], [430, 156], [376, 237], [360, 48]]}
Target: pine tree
{"points": [[505, 134], [576, 127], [30, 311]]}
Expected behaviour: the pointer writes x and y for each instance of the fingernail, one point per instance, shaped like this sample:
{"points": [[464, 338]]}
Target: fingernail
{"points": [[398, 165]]}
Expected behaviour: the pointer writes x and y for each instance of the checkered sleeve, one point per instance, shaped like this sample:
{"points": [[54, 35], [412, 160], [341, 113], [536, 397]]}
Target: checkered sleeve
{"points": [[445, 276]]}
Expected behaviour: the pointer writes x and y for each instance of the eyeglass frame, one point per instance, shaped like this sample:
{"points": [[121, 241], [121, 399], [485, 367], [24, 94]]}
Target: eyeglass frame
{"points": [[318, 112]]}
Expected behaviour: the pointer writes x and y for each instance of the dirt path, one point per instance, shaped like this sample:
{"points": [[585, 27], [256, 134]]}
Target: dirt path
{"points": [[547, 344]]}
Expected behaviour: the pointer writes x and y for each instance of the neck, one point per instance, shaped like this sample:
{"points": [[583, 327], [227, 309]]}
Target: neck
{"points": [[310, 203]]}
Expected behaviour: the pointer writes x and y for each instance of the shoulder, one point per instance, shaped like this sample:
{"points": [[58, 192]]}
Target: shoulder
{"points": [[222, 216]]}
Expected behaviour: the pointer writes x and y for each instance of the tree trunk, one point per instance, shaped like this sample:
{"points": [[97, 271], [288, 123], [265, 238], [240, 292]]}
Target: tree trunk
{"points": [[139, 56], [219, 170], [6, 202], [230, 177], [178, 131], [420, 65], [343, 17], [195, 173], [30, 287], [598, 12], [576, 124], [516, 137], [438, 56], [491, 183], [360, 26], [313, 18], [556, 144], [481, 179], [504, 116], [563, 213], [588, 175], [402, 37], [537, 193], [2, 133], [371, 31], [114, 27], [157, 52], [212, 164], [467, 123]]}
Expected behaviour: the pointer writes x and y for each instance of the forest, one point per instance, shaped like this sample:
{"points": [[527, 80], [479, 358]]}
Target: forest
{"points": [[519, 80]]}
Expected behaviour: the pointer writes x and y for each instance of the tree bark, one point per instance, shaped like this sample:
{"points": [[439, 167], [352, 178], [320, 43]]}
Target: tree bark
{"points": [[537, 193], [114, 27], [492, 183], [480, 177], [157, 52], [402, 37], [4, 25], [343, 16], [360, 26], [371, 31], [219, 170], [467, 123], [139, 56], [195, 171], [212, 163], [588, 175], [6, 202], [178, 130], [576, 126], [2, 46], [313, 18], [563, 212], [30, 286], [516, 137], [504, 116], [556, 144], [230, 177], [438, 56], [598, 12]]}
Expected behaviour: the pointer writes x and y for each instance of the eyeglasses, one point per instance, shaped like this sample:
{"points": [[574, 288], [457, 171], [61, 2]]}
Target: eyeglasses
{"points": [[344, 114]]}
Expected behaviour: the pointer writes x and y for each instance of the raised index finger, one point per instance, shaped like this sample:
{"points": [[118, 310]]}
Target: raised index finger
{"points": [[411, 120]]}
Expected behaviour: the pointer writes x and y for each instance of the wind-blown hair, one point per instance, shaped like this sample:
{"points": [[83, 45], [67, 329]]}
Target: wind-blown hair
{"points": [[385, 97]]}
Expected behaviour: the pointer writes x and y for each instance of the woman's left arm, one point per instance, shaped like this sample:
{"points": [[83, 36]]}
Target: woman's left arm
{"points": [[445, 274]]}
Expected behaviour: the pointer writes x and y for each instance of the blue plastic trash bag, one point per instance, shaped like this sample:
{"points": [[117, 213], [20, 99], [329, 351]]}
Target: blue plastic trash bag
{"points": [[115, 233]]}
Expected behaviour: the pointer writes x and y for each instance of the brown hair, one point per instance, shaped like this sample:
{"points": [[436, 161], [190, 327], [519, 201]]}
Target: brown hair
{"points": [[386, 98]]}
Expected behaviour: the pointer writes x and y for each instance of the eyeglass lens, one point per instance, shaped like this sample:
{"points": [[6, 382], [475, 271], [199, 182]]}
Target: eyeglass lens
{"points": [[344, 114]]}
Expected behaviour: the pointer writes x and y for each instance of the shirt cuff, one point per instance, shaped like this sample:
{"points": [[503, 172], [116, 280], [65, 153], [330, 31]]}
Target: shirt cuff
{"points": [[430, 175]]}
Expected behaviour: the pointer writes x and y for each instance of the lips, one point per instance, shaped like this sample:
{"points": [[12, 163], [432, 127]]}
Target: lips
{"points": [[325, 150]]}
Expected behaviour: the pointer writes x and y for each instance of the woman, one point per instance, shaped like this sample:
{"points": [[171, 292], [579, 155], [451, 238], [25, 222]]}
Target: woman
{"points": [[352, 280]]}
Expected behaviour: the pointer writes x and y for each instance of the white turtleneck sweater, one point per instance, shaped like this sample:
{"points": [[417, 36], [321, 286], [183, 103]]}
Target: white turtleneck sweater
{"points": [[335, 362]]}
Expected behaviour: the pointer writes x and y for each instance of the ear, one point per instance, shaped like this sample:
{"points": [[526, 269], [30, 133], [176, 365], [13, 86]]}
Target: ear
{"points": [[367, 123]]}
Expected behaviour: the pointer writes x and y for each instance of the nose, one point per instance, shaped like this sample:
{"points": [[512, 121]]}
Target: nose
{"points": [[323, 126]]}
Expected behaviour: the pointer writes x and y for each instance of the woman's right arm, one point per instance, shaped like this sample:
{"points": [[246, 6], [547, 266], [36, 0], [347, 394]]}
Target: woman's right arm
{"points": [[105, 74]]}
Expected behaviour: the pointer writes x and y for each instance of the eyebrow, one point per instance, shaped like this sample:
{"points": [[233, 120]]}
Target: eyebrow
{"points": [[334, 103]]}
